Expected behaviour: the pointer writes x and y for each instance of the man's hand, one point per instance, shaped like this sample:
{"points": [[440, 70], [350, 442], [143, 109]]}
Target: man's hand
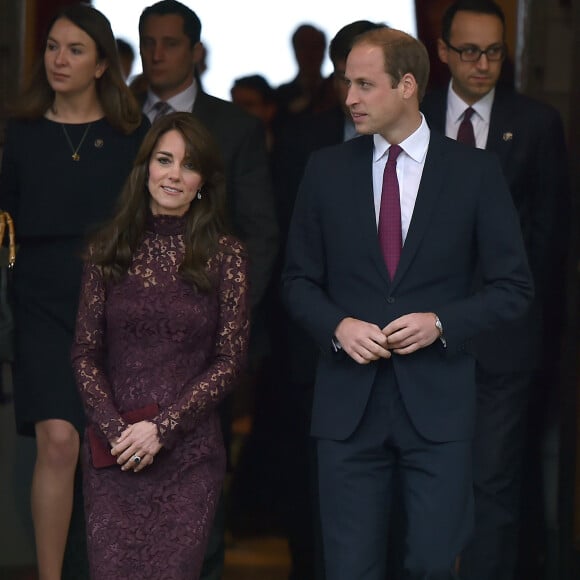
{"points": [[362, 341], [411, 332]]}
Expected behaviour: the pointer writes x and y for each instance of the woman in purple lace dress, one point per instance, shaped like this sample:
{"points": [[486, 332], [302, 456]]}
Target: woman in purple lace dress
{"points": [[162, 319]]}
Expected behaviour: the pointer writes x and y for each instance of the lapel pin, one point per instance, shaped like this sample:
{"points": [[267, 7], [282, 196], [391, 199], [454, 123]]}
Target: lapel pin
{"points": [[507, 136], [99, 143]]}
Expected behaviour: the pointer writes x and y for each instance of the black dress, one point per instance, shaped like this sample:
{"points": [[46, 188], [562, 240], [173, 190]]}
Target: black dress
{"points": [[55, 201]]}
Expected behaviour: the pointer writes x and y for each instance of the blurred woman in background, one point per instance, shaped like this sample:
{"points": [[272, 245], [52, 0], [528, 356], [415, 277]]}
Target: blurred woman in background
{"points": [[69, 146]]}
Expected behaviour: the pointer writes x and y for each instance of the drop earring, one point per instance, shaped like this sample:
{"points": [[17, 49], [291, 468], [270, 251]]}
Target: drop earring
{"points": [[199, 194]]}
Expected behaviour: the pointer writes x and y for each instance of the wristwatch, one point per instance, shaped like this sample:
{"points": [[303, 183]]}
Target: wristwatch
{"points": [[439, 327]]}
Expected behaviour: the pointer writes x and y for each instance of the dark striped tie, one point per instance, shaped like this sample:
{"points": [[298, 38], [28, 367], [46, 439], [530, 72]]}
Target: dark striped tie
{"points": [[161, 108]]}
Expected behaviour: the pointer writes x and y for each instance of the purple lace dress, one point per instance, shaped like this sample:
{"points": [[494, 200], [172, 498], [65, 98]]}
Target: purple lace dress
{"points": [[152, 338]]}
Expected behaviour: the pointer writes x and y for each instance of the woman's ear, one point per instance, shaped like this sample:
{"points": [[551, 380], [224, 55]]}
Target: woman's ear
{"points": [[100, 69]]}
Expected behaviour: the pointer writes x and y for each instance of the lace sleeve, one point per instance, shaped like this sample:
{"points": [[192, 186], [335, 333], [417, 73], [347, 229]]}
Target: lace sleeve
{"points": [[232, 334], [88, 355]]}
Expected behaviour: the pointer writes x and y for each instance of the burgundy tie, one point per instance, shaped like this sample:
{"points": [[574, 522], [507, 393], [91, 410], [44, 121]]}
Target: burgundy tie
{"points": [[390, 233], [465, 132]]}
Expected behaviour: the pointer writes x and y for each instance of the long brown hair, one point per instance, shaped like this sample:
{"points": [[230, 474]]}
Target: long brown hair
{"points": [[114, 245], [120, 107]]}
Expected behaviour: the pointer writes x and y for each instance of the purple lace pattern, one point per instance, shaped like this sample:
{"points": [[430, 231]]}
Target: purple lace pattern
{"points": [[152, 338]]}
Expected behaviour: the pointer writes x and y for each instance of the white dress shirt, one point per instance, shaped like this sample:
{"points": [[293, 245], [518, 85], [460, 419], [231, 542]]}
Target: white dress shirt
{"points": [[480, 119], [181, 102], [410, 164]]}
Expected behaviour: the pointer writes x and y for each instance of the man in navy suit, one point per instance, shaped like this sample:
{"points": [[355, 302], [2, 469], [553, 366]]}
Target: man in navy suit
{"points": [[395, 386], [528, 138]]}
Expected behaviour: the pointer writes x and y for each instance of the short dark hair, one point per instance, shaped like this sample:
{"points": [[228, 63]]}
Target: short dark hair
{"points": [[477, 6], [308, 29], [191, 22], [341, 44], [259, 84], [124, 48]]}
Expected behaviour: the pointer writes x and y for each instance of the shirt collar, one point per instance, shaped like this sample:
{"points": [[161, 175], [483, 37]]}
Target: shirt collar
{"points": [[415, 145], [456, 105], [181, 102]]}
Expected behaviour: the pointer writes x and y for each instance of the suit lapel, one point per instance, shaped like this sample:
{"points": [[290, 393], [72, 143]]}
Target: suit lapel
{"points": [[200, 105], [364, 218], [501, 126], [429, 189]]}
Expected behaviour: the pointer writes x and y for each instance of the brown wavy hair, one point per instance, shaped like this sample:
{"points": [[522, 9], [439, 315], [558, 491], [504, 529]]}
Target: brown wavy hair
{"points": [[113, 246], [121, 109]]}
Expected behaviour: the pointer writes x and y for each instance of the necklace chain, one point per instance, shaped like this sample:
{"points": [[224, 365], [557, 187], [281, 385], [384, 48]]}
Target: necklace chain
{"points": [[75, 152]]}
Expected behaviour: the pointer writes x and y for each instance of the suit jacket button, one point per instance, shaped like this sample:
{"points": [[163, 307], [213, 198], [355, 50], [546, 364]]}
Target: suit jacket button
{"points": [[390, 300]]}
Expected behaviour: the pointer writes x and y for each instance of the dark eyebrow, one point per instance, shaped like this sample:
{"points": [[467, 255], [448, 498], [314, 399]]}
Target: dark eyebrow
{"points": [[165, 153], [471, 45], [162, 38], [72, 44]]}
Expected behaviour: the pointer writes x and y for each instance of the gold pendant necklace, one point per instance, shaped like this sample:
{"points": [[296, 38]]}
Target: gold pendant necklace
{"points": [[75, 152]]}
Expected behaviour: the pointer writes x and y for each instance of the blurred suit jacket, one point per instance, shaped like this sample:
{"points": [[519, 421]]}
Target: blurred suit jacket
{"points": [[528, 138]]}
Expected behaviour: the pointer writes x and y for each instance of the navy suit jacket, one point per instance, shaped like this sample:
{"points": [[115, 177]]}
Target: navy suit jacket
{"points": [[528, 138], [294, 141], [251, 201], [463, 220]]}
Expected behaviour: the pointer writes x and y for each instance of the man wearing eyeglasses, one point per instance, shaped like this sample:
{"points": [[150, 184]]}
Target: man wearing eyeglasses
{"points": [[517, 365]]}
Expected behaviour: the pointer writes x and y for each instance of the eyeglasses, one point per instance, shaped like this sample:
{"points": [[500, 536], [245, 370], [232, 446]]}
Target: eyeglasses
{"points": [[473, 53]]}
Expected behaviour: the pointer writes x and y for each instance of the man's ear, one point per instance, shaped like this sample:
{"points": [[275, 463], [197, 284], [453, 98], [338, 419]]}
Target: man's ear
{"points": [[197, 53], [408, 85], [442, 50]]}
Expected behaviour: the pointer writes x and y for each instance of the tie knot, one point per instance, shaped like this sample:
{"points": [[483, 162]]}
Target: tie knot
{"points": [[394, 152], [161, 108], [468, 113]]}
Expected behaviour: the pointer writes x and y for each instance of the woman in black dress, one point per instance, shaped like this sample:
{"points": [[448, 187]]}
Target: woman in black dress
{"points": [[69, 147]]}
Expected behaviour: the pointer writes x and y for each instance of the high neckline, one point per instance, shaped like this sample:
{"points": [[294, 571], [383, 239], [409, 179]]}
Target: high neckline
{"points": [[69, 124], [166, 225]]}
